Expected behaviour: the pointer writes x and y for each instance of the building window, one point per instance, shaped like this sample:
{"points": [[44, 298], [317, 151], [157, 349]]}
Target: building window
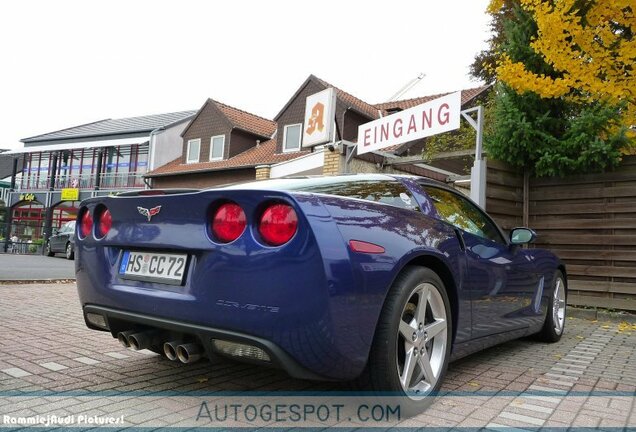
{"points": [[194, 145], [291, 138], [217, 144]]}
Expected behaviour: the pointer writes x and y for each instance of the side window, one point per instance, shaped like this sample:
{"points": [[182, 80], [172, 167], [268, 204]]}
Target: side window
{"points": [[291, 137], [192, 154], [463, 214], [217, 144], [386, 191]]}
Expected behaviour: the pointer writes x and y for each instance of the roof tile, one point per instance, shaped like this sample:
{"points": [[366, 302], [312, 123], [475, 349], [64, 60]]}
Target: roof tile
{"points": [[354, 102], [114, 126], [467, 96], [248, 121], [264, 154]]}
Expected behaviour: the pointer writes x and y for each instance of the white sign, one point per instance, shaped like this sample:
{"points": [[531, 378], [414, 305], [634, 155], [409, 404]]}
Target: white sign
{"points": [[320, 112], [430, 118]]}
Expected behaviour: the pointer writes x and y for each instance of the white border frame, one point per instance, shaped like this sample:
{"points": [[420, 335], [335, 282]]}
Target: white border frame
{"points": [[188, 151], [300, 138], [212, 146]]}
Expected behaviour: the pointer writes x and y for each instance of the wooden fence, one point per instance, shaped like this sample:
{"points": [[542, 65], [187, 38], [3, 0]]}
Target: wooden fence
{"points": [[588, 220], [504, 195]]}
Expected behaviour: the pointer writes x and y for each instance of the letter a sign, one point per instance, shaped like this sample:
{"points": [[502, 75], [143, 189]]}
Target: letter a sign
{"points": [[319, 118], [430, 118]]}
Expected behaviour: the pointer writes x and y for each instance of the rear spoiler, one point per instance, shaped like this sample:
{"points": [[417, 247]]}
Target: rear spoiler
{"points": [[154, 192]]}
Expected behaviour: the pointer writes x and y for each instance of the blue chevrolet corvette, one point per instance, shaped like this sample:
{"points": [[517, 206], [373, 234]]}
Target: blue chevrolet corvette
{"points": [[381, 278]]}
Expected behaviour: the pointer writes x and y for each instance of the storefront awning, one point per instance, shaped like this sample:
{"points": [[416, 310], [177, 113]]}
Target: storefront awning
{"points": [[79, 145]]}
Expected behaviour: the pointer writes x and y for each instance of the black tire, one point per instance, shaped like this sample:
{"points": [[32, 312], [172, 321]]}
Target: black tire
{"points": [[48, 250], [69, 252], [382, 373], [551, 331]]}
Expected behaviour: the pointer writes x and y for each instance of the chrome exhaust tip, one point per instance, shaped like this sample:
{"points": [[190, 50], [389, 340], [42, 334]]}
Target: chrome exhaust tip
{"points": [[170, 349], [142, 340], [189, 353]]}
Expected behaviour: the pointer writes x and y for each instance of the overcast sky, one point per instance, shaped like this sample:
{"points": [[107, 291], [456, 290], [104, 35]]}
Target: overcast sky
{"points": [[64, 63]]}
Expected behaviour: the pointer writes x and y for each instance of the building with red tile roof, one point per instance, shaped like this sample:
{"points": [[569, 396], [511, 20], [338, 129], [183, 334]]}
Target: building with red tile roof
{"points": [[224, 144]]}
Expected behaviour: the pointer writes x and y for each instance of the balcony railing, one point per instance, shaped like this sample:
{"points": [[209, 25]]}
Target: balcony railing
{"points": [[108, 181]]}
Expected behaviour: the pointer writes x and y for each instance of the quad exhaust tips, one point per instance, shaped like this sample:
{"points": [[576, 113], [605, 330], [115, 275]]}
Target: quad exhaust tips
{"points": [[137, 340], [173, 350]]}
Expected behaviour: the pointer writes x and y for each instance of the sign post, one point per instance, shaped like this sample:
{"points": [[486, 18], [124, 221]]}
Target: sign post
{"points": [[478, 171]]}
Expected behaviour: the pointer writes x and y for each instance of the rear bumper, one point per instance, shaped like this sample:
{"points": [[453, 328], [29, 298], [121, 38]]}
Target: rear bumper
{"points": [[119, 320]]}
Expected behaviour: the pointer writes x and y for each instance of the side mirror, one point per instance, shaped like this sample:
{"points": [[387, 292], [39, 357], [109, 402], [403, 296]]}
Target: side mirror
{"points": [[521, 236], [56, 231]]}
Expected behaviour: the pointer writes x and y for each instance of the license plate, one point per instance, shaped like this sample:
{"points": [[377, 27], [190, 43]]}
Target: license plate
{"points": [[154, 267]]}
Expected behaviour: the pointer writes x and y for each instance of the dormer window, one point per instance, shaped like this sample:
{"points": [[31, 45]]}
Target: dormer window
{"points": [[291, 137], [217, 146], [194, 147]]}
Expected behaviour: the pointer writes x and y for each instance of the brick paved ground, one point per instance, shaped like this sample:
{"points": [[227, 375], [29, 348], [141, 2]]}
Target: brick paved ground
{"points": [[50, 364]]}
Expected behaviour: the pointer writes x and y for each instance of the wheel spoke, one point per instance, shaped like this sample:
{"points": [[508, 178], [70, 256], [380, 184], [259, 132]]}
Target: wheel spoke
{"points": [[435, 328], [420, 311], [407, 331], [425, 364], [409, 365]]}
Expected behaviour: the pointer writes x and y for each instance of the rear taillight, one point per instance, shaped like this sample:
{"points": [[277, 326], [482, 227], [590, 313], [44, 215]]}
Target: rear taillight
{"points": [[104, 222], [86, 223], [229, 222], [278, 224]]}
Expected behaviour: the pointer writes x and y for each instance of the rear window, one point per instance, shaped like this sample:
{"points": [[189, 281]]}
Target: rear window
{"points": [[389, 192], [374, 187]]}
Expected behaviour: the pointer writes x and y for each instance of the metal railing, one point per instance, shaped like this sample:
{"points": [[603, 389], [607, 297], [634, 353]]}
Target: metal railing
{"points": [[22, 248], [22, 237], [108, 181]]}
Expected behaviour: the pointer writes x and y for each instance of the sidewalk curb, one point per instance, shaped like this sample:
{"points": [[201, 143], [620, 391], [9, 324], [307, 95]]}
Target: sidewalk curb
{"points": [[601, 315], [36, 281]]}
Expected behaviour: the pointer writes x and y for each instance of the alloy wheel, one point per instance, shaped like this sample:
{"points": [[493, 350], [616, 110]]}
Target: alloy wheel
{"points": [[421, 342], [558, 306]]}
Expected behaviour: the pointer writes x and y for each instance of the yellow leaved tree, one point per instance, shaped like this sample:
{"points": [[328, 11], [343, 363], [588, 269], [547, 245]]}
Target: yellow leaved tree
{"points": [[591, 45]]}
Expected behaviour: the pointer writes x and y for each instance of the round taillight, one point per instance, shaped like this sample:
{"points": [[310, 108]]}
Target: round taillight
{"points": [[104, 222], [228, 222], [86, 223], [278, 225]]}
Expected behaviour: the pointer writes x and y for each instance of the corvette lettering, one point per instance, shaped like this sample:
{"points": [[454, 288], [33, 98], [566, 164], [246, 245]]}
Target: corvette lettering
{"points": [[247, 306]]}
